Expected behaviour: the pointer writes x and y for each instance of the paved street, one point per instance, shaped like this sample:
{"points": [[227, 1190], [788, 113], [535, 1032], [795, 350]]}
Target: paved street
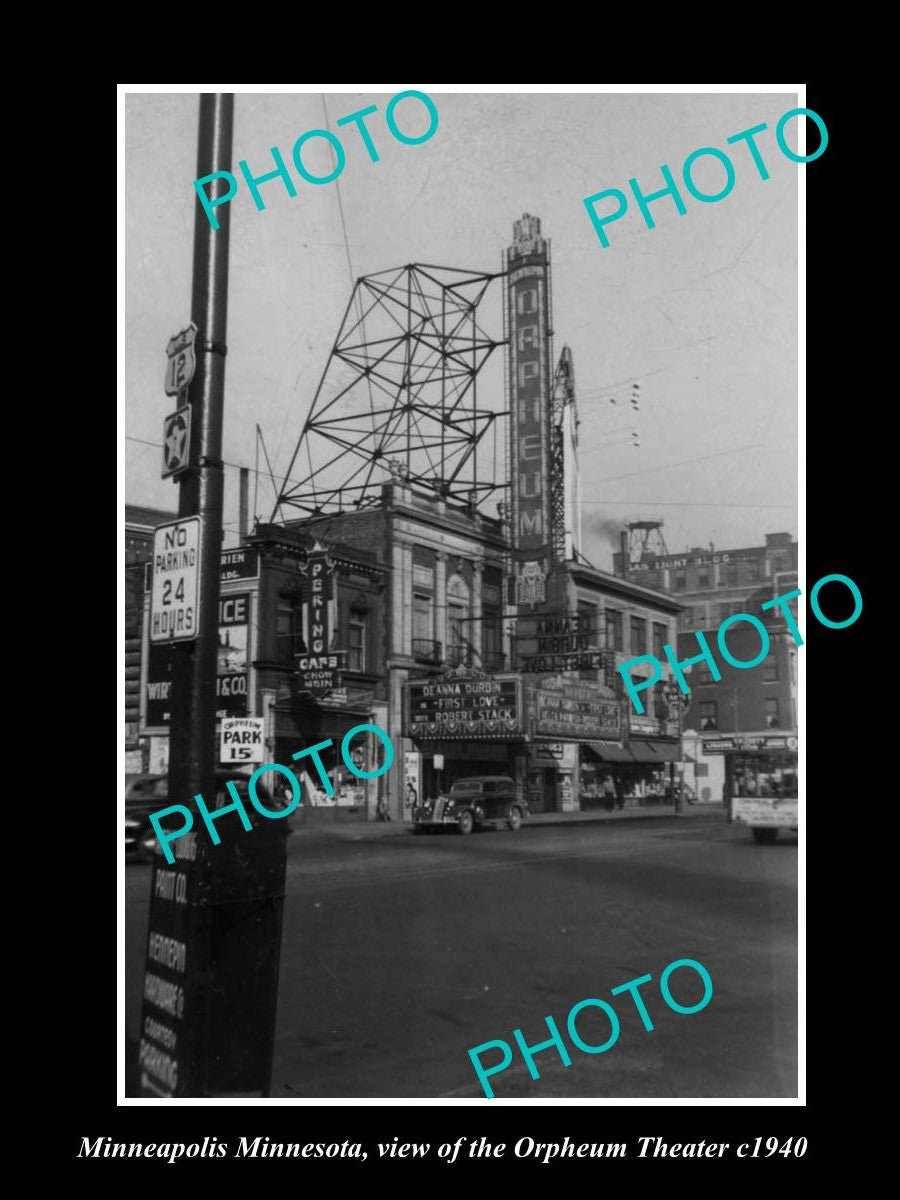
{"points": [[401, 952]]}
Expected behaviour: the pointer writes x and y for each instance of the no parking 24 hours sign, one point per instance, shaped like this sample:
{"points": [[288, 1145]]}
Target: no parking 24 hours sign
{"points": [[174, 582]]}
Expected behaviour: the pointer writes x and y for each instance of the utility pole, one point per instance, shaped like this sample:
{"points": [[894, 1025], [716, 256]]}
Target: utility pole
{"points": [[192, 724]]}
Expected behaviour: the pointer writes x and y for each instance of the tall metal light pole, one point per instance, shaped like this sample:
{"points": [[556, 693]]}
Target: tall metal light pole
{"points": [[192, 723]]}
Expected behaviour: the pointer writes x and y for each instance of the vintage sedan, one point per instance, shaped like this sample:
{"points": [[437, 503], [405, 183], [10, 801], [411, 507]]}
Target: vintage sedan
{"points": [[482, 800]]}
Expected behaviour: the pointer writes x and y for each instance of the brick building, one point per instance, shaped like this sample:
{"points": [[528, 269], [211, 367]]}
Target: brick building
{"points": [[759, 702]]}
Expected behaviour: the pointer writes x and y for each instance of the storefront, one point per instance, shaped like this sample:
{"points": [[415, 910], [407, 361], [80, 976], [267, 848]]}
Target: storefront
{"points": [[301, 722], [641, 773], [565, 715]]}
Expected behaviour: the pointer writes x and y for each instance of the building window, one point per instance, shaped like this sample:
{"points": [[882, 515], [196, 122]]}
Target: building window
{"points": [[772, 719], [679, 583], [587, 621], [731, 574], [614, 630], [356, 642], [660, 637], [423, 624], [703, 579], [289, 628], [638, 635], [709, 714], [424, 646], [770, 669], [457, 620]]}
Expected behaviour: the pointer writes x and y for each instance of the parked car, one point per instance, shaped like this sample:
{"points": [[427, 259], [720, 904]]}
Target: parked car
{"points": [[145, 794], [481, 800]]}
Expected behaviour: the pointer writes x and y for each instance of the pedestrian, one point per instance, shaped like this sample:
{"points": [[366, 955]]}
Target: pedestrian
{"points": [[412, 796], [382, 813], [609, 793]]}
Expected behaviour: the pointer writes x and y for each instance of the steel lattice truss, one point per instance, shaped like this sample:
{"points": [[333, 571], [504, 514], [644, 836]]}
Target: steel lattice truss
{"points": [[398, 397]]}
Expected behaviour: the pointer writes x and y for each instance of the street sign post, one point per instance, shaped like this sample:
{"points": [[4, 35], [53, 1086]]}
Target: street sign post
{"points": [[174, 581], [176, 442]]}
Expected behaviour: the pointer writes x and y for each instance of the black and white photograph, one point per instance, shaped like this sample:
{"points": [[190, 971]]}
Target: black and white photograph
{"points": [[463, 657]]}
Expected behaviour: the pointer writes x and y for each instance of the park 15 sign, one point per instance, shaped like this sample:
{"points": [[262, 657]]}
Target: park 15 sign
{"points": [[241, 740], [530, 412]]}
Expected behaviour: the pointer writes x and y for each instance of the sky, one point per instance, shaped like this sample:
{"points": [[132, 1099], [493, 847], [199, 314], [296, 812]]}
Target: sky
{"points": [[701, 311]]}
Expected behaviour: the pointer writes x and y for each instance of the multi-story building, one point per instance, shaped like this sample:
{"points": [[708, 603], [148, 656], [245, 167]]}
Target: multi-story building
{"points": [[757, 704], [713, 584]]}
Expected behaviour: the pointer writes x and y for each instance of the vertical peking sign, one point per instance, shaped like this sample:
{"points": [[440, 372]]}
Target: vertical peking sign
{"points": [[320, 668]]}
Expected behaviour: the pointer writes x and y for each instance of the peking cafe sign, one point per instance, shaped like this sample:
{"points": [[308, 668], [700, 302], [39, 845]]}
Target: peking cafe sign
{"points": [[319, 668]]}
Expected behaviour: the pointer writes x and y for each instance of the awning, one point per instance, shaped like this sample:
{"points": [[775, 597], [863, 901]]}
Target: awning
{"points": [[654, 752], [609, 751]]}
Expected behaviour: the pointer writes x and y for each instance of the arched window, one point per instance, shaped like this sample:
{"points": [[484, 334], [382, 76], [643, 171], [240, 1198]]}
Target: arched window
{"points": [[457, 620]]}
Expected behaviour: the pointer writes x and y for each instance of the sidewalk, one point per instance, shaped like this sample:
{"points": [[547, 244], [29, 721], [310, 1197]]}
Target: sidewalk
{"points": [[371, 830]]}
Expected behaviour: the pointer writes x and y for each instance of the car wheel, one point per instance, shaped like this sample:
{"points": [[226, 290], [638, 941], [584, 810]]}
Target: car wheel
{"points": [[466, 822], [147, 844], [514, 820], [764, 837]]}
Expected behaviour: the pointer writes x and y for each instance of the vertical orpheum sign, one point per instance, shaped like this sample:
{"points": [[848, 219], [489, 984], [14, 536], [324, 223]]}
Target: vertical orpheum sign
{"points": [[528, 303]]}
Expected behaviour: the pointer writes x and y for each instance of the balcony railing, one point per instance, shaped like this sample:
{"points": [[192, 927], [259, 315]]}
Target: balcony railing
{"points": [[427, 651]]}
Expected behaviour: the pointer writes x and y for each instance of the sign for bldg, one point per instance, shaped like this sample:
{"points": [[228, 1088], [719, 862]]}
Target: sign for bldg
{"points": [[466, 707], [320, 668], [241, 740], [239, 564], [174, 581], [560, 754], [231, 667], [751, 741], [530, 415], [572, 708]]}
